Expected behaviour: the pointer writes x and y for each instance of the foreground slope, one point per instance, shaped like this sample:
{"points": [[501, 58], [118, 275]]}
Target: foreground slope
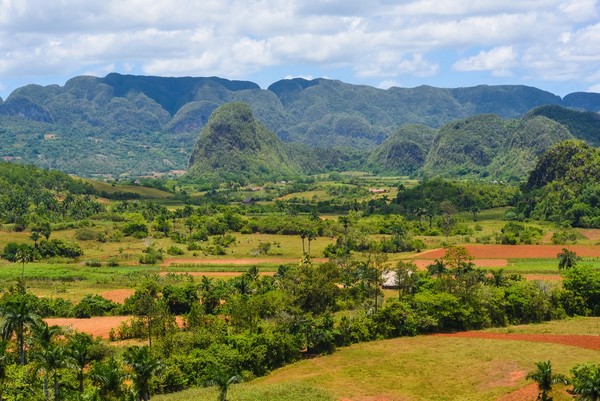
{"points": [[424, 367]]}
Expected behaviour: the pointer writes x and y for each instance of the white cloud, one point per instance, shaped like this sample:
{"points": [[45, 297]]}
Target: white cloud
{"points": [[387, 84], [307, 77], [594, 88], [499, 60], [381, 40]]}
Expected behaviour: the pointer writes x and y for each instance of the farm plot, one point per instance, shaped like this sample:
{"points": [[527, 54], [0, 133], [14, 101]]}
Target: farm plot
{"points": [[517, 251]]}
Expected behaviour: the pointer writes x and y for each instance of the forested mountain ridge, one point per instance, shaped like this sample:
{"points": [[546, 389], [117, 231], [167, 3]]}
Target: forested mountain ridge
{"points": [[234, 147], [135, 125]]}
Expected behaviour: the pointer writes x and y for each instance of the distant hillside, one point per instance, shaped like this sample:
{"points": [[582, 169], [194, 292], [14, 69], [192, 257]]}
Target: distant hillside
{"points": [[488, 146], [563, 187], [404, 152], [582, 124], [481, 146], [137, 125], [235, 147]]}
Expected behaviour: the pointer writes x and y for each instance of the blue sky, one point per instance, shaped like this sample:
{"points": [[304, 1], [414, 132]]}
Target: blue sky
{"points": [[550, 44]]}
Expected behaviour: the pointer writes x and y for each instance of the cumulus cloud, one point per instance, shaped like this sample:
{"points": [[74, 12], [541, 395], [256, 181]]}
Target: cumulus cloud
{"points": [[498, 60], [378, 41]]}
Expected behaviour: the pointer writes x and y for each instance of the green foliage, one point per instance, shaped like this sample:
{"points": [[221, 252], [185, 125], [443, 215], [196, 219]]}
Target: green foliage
{"points": [[582, 286], [234, 147], [94, 305], [514, 233], [488, 147], [586, 382], [563, 187], [545, 378], [404, 152], [582, 124]]}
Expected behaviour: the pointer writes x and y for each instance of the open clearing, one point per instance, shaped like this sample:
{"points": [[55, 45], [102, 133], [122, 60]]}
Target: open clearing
{"points": [[98, 326]]}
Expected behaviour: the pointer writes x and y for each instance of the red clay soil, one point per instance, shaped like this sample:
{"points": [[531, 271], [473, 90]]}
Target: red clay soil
{"points": [[581, 341], [517, 251], [543, 277], [239, 261], [423, 263], [527, 393], [218, 274], [591, 234], [118, 296], [96, 326]]}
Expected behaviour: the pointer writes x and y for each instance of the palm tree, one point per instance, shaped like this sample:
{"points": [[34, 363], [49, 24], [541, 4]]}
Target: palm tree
{"points": [[51, 360], [42, 351], [24, 255], [345, 221], [437, 268], [108, 376], [80, 352], [405, 278], [143, 365], [223, 380], [567, 259], [498, 278], [544, 378], [18, 318], [311, 236], [3, 364], [586, 382]]}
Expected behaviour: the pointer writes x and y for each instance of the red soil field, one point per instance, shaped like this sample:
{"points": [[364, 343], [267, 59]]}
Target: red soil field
{"points": [[581, 341], [118, 296], [591, 234], [240, 261], [517, 251], [527, 393], [96, 326], [543, 277], [218, 274], [423, 263]]}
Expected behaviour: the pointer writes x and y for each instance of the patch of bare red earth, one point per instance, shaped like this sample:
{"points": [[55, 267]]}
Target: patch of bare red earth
{"points": [[236, 262], [423, 263], [98, 326], [118, 296], [517, 251], [376, 398], [591, 234], [530, 391]]}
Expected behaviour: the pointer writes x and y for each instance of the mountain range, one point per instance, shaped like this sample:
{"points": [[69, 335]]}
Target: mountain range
{"points": [[124, 125]]}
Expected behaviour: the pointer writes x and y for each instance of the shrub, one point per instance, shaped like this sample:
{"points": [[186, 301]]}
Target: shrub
{"points": [[94, 305], [173, 250], [86, 234], [113, 261]]}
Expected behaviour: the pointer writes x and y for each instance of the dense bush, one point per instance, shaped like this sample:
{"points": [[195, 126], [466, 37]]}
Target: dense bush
{"points": [[94, 305]]}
